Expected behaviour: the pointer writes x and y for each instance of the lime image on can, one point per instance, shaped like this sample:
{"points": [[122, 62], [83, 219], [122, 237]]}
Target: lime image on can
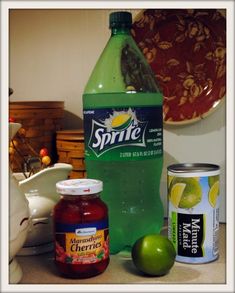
{"points": [[193, 211]]}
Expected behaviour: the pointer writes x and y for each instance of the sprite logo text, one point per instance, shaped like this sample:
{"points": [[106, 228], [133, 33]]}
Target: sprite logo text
{"points": [[124, 133], [120, 129]]}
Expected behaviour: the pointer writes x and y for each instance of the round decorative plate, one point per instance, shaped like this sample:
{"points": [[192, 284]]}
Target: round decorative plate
{"points": [[186, 49]]}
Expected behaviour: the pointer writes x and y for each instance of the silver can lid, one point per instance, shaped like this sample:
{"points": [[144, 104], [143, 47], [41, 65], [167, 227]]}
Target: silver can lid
{"points": [[191, 169], [79, 186]]}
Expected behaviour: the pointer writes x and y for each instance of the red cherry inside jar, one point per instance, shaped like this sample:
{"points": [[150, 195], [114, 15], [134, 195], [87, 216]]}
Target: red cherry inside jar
{"points": [[81, 234]]}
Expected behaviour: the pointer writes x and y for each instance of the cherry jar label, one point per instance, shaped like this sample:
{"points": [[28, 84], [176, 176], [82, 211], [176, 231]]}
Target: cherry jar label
{"points": [[82, 243], [128, 133]]}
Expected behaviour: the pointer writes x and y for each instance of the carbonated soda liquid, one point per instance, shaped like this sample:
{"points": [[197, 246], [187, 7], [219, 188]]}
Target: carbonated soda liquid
{"points": [[123, 136]]}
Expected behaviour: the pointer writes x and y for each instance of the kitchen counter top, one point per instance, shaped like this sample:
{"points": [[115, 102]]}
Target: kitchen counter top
{"points": [[40, 269]]}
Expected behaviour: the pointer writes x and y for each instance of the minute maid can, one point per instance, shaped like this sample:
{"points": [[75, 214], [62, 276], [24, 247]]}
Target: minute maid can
{"points": [[193, 211]]}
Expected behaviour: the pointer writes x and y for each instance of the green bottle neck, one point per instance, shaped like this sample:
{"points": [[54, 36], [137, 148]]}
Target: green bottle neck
{"points": [[120, 31], [111, 75]]}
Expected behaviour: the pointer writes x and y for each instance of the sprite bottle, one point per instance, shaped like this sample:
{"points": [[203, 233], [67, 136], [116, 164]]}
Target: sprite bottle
{"points": [[123, 136]]}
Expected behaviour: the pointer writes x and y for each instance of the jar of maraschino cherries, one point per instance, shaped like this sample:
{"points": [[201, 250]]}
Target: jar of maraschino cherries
{"points": [[81, 234]]}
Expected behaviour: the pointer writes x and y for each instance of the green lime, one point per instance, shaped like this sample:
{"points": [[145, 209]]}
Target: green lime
{"points": [[153, 254], [185, 196], [213, 194]]}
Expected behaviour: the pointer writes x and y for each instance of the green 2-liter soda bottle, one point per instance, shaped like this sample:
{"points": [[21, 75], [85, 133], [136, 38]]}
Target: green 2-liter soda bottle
{"points": [[123, 136]]}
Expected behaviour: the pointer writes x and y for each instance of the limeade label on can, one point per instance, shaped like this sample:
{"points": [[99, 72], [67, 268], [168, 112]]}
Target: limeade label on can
{"points": [[193, 219]]}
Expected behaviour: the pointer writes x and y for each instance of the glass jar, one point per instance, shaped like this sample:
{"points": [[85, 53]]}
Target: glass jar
{"points": [[81, 235]]}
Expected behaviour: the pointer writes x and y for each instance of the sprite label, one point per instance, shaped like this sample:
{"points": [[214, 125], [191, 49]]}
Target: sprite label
{"points": [[123, 133]]}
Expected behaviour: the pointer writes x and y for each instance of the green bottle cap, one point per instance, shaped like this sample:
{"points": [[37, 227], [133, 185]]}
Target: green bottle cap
{"points": [[120, 19]]}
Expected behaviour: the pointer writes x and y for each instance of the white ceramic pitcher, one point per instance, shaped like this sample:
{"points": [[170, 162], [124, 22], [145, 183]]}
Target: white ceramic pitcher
{"points": [[40, 190], [19, 219]]}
